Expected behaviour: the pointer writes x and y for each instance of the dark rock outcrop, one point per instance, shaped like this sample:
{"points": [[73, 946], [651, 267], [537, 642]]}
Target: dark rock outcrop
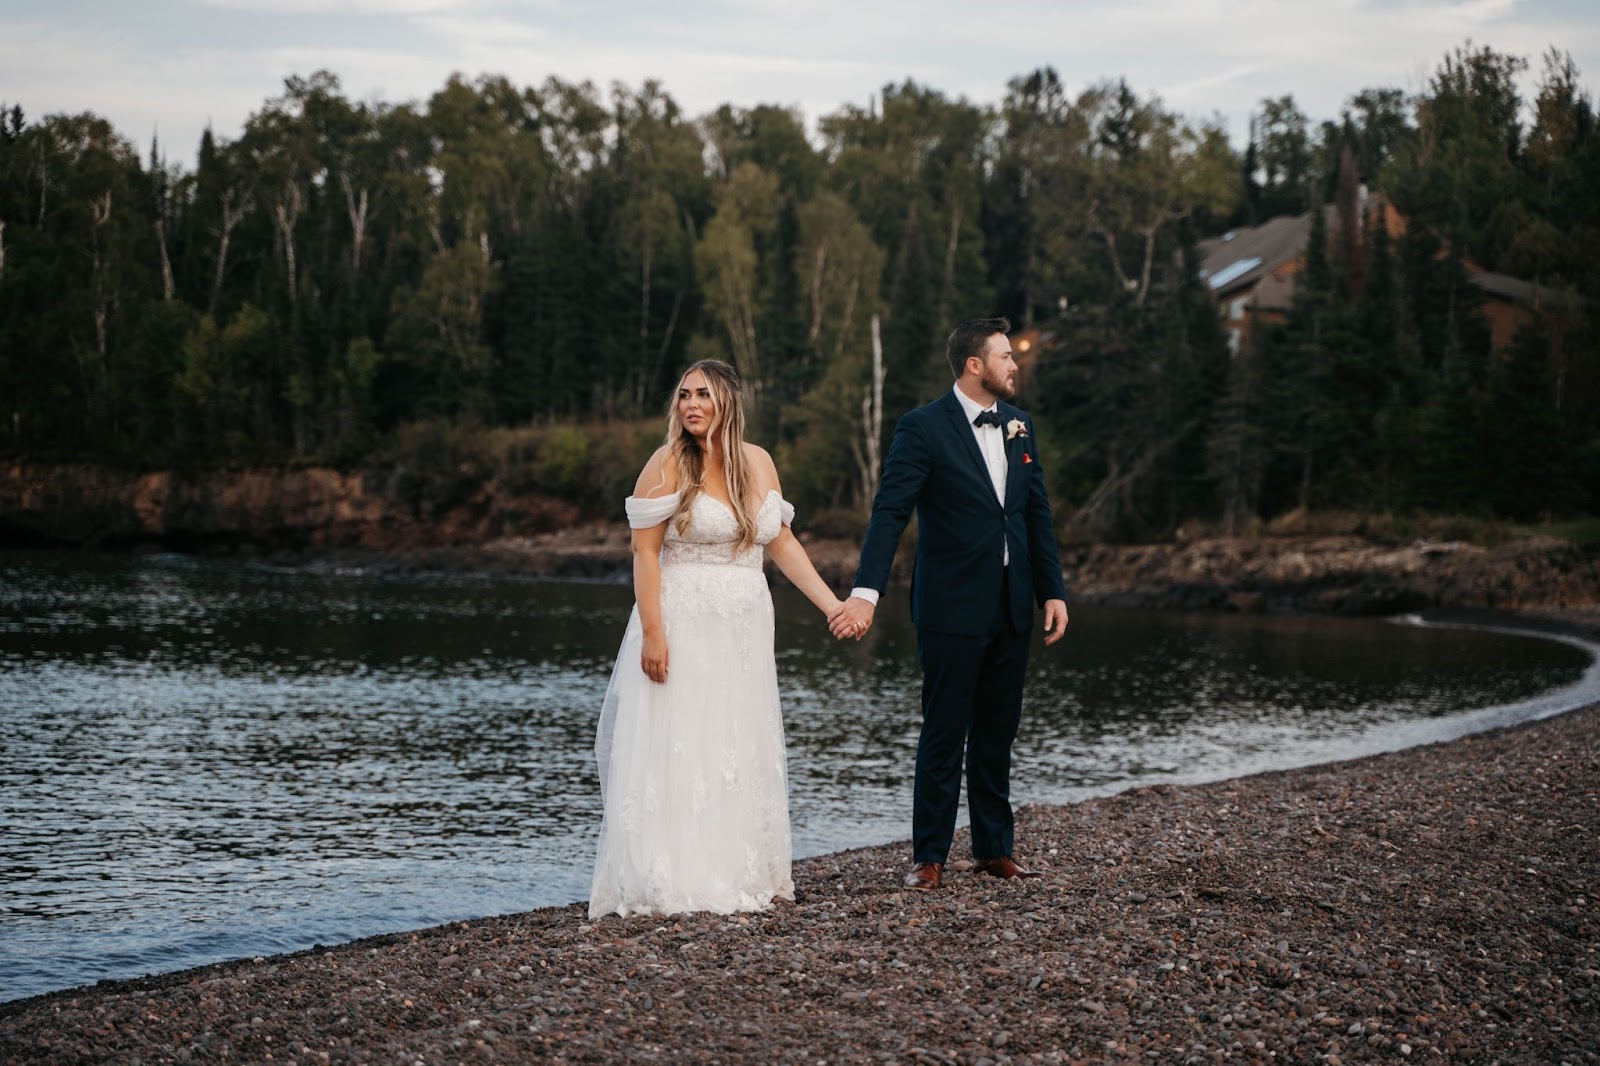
{"points": [[1340, 575], [307, 509], [318, 516]]}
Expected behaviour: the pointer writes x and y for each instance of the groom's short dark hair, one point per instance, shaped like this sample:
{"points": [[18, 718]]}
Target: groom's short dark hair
{"points": [[970, 338]]}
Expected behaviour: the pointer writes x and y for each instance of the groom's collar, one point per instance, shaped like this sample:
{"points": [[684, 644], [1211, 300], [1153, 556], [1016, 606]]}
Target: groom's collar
{"points": [[969, 406]]}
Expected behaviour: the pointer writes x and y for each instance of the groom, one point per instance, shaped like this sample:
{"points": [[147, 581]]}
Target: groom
{"points": [[968, 464]]}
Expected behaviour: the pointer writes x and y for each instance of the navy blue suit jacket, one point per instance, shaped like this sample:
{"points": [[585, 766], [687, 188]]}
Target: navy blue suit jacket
{"points": [[934, 468]]}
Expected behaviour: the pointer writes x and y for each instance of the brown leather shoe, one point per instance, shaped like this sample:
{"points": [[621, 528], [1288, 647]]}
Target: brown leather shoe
{"points": [[1003, 867], [924, 876]]}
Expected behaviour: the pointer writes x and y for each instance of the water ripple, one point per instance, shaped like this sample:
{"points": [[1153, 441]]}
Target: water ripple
{"points": [[200, 762]]}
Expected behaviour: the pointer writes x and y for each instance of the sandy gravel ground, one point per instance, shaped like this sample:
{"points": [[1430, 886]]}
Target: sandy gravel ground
{"points": [[1440, 903]]}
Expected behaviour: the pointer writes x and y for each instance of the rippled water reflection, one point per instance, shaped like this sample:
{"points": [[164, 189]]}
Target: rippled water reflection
{"points": [[201, 762]]}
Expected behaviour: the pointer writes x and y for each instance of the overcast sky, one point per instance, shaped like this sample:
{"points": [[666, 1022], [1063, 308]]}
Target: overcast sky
{"points": [[173, 66]]}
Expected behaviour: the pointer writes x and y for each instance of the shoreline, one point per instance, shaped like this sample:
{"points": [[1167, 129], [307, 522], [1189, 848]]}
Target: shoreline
{"points": [[1443, 898], [1298, 573], [330, 519]]}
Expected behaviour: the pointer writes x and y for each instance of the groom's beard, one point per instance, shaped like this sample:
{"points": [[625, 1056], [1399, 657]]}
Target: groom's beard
{"points": [[997, 384]]}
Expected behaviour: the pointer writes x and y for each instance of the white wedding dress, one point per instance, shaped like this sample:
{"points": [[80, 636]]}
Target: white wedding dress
{"points": [[692, 771]]}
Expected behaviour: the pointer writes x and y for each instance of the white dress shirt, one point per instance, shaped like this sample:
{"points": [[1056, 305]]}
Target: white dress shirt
{"points": [[992, 446]]}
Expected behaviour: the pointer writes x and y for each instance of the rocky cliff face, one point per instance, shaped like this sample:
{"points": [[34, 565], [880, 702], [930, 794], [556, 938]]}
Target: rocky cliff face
{"points": [[306, 509]]}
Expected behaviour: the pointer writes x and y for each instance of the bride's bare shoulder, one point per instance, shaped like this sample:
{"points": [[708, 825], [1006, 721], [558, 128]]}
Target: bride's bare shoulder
{"points": [[763, 471], [659, 476]]}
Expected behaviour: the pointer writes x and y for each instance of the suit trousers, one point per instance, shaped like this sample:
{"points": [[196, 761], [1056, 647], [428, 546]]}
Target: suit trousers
{"points": [[971, 706]]}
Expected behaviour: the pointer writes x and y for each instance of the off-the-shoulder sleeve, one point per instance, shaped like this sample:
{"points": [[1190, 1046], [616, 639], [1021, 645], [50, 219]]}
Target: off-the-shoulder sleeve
{"points": [[787, 510], [644, 513]]}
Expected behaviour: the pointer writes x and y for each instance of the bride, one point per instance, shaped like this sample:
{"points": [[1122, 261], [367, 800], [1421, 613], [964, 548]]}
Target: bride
{"points": [[690, 743]]}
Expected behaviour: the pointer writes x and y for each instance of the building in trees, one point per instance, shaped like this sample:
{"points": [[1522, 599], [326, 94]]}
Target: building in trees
{"points": [[1252, 272], [1511, 304]]}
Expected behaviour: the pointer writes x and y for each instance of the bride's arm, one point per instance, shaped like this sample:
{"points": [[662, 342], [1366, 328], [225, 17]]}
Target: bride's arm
{"points": [[647, 593], [790, 555], [653, 482], [787, 551]]}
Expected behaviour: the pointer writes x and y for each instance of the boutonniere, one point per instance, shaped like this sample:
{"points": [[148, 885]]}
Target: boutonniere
{"points": [[1015, 429], [1026, 458]]}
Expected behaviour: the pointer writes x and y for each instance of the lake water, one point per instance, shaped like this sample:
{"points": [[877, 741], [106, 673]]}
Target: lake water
{"points": [[202, 761]]}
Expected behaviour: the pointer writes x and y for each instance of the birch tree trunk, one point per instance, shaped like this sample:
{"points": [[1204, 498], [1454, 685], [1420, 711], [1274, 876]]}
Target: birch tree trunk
{"points": [[1029, 249], [644, 322], [1149, 260], [287, 213], [101, 209], [44, 181], [867, 447], [677, 305], [102, 397], [947, 284], [166, 261], [849, 316], [356, 206], [232, 215], [666, 336], [1126, 282], [741, 324], [817, 270]]}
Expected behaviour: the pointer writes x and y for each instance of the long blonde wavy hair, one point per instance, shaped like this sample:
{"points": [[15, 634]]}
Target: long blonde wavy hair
{"points": [[726, 435]]}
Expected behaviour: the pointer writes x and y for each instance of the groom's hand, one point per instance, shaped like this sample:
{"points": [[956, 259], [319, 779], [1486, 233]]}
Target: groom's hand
{"points": [[1055, 620], [853, 619]]}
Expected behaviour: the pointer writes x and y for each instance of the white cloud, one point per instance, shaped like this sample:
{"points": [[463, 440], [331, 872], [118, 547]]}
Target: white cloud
{"points": [[1202, 57], [346, 7], [461, 31]]}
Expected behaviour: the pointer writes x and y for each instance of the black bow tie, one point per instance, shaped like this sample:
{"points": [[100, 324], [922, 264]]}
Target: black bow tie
{"points": [[987, 418]]}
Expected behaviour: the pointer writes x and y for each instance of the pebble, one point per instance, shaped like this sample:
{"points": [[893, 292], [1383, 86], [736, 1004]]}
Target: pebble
{"points": [[1233, 959]]}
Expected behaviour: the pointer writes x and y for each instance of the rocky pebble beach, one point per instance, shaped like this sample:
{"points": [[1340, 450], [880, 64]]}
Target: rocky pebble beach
{"points": [[1436, 903]]}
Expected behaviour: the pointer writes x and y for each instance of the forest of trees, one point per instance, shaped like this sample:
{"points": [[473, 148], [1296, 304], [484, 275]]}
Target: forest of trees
{"points": [[366, 284]]}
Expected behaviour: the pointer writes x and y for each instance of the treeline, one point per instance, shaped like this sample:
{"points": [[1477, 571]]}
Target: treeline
{"points": [[355, 283]]}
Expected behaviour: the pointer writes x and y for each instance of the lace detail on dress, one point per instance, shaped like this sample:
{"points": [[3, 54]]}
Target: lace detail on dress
{"points": [[692, 772], [712, 531]]}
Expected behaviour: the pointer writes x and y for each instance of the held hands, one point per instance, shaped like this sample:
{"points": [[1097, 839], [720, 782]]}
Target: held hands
{"points": [[852, 618]]}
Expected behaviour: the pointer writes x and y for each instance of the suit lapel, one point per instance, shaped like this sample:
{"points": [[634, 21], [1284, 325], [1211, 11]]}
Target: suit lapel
{"points": [[1014, 451], [968, 443]]}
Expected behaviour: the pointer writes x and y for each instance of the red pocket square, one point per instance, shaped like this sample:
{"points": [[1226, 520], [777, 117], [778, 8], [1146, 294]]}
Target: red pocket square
{"points": [[1026, 458]]}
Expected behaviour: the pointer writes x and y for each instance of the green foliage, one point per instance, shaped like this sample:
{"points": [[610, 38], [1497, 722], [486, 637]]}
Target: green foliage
{"points": [[347, 405], [563, 461], [432, 467], [503, 282], [1582, 531], [1284, 156], [1463, 165], [1530, 442], [595, 463], [1384, 390], [438, 464], [230, 385]]}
